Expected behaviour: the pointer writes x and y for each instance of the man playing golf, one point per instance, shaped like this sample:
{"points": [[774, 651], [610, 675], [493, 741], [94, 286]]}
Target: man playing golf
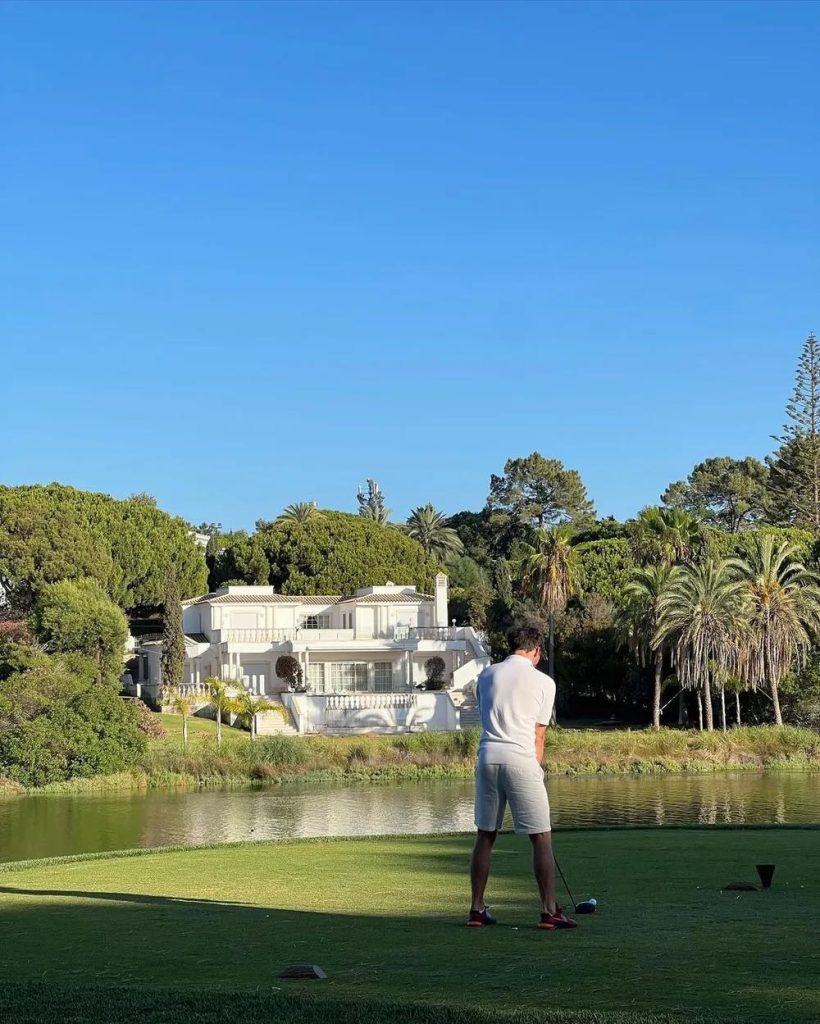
{"points": [[515, 701]]}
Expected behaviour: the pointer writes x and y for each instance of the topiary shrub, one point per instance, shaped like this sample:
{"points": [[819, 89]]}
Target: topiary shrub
{"points": [[434, 669], [288, 668]]}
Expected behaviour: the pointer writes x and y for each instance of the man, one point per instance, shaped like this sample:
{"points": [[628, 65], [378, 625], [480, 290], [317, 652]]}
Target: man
{"points": [[515, 701]]}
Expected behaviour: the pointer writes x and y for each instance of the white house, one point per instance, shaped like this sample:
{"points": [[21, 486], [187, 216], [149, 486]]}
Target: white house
{"points": [[362, 656]]}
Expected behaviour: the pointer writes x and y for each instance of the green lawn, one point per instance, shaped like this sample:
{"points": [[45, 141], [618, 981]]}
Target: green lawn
{"points": [[198, 728], [184, 931]]}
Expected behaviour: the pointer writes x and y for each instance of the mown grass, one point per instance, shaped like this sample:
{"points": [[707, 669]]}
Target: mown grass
{"points": [[202, 935], [441, 755], [93, 1004]]}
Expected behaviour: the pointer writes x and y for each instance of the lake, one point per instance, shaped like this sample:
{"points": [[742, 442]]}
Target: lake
{"points": [[43, 826]]}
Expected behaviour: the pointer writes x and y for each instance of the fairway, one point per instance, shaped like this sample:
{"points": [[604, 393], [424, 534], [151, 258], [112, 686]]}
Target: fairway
{"points": [[385, 920]]}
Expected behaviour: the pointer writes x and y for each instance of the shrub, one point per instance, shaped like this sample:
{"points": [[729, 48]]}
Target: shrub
{"points": [[434, 669], [58, 723], [287, 667], [148, 723]]}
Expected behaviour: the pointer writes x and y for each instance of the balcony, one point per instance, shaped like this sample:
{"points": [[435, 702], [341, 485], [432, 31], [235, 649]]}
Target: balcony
{"points": [[282, 636], [398, 634], [432, 632]]}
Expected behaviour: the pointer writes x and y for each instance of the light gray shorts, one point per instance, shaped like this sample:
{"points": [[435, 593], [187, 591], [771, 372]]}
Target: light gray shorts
{"points": [[520, 786]]}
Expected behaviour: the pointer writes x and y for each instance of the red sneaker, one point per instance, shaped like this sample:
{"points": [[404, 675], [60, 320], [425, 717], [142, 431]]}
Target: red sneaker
{"points": [[546, 923], [557, 920], [480, 919]]}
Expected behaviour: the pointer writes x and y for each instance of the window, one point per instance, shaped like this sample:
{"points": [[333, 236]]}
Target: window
{"points": [[316, 677], [315, 622], [383, 676], [346, 677]]}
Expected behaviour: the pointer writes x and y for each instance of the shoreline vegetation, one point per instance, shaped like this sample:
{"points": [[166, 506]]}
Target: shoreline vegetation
{"points": [[420, 757]]}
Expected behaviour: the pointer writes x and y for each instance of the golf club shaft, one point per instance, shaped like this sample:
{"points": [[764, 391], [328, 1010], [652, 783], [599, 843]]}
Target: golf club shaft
{"points": [[566, 885]]}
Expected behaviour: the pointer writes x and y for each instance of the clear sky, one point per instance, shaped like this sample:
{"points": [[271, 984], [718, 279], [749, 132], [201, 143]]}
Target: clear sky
{"points": [[255, 253]]}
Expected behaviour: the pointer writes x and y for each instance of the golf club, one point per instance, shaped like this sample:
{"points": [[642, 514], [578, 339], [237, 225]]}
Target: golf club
{"points": [[586, 906]]}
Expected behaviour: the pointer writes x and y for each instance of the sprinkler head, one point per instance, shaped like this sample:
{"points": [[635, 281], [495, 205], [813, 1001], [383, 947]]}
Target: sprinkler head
{"points": [[587, 907]]}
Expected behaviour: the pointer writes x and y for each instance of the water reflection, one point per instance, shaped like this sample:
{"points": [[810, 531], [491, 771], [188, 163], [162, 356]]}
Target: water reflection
{"points": [[49, 826]]}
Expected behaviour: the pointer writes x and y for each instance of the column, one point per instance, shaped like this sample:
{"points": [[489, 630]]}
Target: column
{"points": [[306, 669], [408, 679]]}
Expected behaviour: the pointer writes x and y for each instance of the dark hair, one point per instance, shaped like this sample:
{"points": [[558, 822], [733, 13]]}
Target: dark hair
{"points": [[524, 637]]}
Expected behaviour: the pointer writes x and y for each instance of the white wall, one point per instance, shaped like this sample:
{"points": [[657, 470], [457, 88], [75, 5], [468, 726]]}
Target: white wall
{"points": [[428, 712], [192, 619]]}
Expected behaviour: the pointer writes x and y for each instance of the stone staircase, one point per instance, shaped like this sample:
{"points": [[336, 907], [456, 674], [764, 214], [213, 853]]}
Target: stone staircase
{"points": [[470, 716], [274, 723]]}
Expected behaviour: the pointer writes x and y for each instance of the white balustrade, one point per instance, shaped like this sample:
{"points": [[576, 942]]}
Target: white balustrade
{"points": [[364, 701]]}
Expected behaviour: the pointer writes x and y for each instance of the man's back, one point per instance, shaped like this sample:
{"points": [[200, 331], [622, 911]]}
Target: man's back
{"points": [[513, 697]]}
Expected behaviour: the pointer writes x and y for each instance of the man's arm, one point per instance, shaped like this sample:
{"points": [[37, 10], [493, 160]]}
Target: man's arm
{"points": [[540, 735]]}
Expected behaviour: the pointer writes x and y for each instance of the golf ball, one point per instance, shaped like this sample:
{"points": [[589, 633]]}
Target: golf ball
{"points": [[593, 902]]}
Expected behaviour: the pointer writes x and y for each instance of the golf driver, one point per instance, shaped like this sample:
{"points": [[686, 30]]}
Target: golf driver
{"points": [[585, 907]]}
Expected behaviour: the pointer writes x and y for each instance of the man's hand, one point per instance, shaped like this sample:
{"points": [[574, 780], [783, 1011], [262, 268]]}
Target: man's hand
{"points": [[540, 736]]}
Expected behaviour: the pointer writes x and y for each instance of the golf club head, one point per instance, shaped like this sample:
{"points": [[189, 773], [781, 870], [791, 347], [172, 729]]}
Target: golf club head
{"points": [[587, 907]]}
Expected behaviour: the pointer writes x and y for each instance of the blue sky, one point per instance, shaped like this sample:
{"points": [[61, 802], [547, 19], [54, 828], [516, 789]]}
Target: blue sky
{"points": [[255, 253]]}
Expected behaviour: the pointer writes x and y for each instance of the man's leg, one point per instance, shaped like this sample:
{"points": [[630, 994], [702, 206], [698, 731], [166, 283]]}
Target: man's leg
{"points": [[480, 866], [543, 866]]}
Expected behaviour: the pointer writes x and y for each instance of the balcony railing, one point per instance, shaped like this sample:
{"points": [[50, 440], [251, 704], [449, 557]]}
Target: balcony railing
{"points": [[280, 636], [397, 633], [365, 701], [432, 632]]}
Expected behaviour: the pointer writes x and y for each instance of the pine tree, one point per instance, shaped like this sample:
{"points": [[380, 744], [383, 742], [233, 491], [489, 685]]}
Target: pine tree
{"points": [[173, 640], [795, 469]]}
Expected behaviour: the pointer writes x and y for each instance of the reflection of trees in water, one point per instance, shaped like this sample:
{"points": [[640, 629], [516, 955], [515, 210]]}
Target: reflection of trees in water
{"points": [[720, 798], [50, 826], [304, 811]]}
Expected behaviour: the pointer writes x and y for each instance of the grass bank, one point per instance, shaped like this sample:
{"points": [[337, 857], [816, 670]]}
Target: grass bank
{"points": [[201, 935], [436, 755]]}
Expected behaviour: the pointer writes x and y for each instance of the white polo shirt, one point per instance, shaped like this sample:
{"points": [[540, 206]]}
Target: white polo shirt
{"points": [[513, 697]]}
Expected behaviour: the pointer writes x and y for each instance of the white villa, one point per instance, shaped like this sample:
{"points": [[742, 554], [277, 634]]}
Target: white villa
{"points": [[362, 657]]}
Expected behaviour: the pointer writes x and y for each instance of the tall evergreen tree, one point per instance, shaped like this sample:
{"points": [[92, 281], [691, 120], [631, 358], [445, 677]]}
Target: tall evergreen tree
{"points": [[795, 469], [173, 640]]}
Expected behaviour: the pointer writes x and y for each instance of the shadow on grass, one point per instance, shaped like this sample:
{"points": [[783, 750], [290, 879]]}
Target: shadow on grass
{"points": [[32, 1003], [666, 947]]}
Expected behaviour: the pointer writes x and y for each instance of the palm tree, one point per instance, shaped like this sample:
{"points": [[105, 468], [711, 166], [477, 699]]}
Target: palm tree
{"points": [[638, 620], [667, 535], [221, 701], [182, 703], [784, 598], [248, 706], [550, 572], [430, 529], [703, 615], [300, 512]]}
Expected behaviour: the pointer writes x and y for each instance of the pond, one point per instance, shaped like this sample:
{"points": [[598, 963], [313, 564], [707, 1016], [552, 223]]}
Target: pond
{"points": [[43, 826]]}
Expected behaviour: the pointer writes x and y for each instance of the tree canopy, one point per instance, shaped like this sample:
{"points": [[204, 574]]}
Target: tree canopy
{"points": [[729, 493], [540, 492], [334, 553], [79, 616], [52, 533]]}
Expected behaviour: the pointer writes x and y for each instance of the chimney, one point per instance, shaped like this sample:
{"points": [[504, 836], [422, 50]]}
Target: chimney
{"points": [[441, 595]]}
